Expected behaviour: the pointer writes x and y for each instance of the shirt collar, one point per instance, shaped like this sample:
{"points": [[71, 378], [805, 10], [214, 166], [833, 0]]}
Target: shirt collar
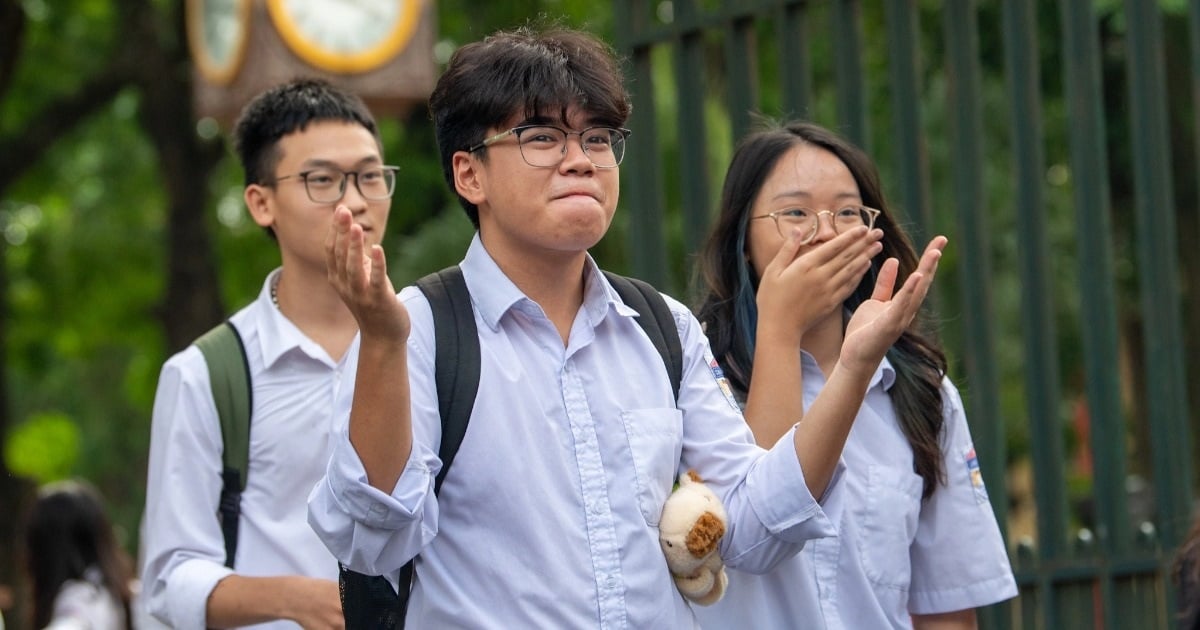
{"points": [[885, 374], [277, 335], [493, 293]]}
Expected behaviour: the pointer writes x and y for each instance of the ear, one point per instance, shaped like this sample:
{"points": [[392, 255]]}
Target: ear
{"points": [[258, 203], [469, 177]]}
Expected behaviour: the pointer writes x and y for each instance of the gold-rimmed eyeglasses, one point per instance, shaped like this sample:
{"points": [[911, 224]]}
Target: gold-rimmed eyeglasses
{"points": [[328, 185], [545, 146], [809, 221]]}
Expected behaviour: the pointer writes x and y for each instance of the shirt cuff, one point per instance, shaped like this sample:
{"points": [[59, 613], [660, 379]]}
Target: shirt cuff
{"points": [[781, 498], [368, 505], [963, 597], [188, 590]]}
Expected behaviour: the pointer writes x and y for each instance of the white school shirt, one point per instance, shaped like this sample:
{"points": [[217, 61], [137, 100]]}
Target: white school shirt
{"points": [[548, 517], [86, 604], [894, 555], [294, 382]]}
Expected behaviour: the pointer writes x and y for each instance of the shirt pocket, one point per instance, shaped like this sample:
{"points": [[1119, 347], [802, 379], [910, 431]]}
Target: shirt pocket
{"points": [[655, 444], [888, 521]]}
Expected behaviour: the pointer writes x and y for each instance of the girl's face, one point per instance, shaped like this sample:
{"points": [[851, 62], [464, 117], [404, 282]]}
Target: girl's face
{"points": [[806, 176]]}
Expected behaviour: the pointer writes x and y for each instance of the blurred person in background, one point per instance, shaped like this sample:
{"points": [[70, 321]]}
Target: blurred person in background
{"points": [[79, 575]]}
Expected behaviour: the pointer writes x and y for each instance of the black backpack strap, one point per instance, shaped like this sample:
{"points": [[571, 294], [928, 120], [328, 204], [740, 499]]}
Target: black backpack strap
{"points": [[654, 316], [229, 376], [368, 601], [456, 359]]}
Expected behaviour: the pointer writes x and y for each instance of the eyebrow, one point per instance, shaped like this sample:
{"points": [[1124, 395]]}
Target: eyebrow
{"points": [[322, 163], [804, 194], [557, 122]]}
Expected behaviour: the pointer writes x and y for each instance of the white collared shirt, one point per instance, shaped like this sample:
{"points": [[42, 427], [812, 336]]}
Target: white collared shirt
{"points": [[895, 555], [86, 604], [548, 517], [294, 382]]}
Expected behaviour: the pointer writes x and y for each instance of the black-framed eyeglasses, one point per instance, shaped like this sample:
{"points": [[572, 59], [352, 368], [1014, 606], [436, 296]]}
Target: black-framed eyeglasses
{"points": [[809, 221], [545, 146], [328, 185]]}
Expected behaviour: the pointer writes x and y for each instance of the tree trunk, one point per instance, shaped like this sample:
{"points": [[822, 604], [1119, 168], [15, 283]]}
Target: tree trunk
{"points": [[193, 303]]}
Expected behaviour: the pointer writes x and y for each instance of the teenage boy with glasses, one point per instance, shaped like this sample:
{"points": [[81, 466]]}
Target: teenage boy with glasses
{"points": [[549, 516], [300, 143]]}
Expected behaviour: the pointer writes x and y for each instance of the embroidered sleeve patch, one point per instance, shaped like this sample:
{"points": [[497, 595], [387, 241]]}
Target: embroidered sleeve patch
{"points": [[975, 475], [722, 382]]}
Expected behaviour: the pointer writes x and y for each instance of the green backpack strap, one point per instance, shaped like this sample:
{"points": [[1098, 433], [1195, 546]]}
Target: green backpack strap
{"points": [[655, 318], [229, 375], [368, 601]]}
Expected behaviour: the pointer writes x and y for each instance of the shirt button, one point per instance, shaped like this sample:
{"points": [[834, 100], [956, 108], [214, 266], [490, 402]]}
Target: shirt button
{"points": [[612, 582]]}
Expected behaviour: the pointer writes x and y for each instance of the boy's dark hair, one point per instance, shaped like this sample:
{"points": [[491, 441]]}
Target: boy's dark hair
{"points": [[527, 72], [287, 108]]}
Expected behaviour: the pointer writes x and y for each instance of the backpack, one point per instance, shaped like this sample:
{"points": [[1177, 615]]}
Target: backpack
{"points": [[368, 601], [229, 378]]}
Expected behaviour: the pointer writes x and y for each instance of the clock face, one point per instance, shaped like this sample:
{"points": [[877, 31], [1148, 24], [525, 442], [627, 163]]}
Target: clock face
{"points": [[217, 34], [345, 35]]}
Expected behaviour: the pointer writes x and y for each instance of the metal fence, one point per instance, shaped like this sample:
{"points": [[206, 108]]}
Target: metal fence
{"points": [[1046, 139]]}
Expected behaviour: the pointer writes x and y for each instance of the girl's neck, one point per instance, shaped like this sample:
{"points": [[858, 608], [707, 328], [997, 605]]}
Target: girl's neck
{"points": [[824, 341]]}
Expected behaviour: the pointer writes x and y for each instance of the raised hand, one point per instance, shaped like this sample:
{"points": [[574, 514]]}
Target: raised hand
{"points": [[879, 321], [360, 278], [795, 292]]}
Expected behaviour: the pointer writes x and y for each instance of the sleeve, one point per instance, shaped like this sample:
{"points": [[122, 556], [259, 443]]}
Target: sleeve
{"points": [[184, 548], [958, 556], [771, 512], [369, 531]]}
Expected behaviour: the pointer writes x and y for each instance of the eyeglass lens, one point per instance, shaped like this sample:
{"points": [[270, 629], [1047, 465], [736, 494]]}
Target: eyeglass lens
{"points": [[328, 186], [546, 146], [809, 222]]}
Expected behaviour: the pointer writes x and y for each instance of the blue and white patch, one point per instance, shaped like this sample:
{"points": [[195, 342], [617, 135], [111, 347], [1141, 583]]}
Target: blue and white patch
{"points": [[722, 382], [975, 474]]}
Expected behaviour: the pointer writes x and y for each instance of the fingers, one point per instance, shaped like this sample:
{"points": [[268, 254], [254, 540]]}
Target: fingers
{"points": [[344, 248], [886, 281], [336, 242], [916, 287], [378, 266], [932, 254], [927, 267], [845, 247], [787, 251]]}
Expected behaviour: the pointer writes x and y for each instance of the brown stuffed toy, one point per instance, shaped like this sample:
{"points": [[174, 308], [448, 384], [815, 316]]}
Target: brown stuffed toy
{"points": [[690, 530]]}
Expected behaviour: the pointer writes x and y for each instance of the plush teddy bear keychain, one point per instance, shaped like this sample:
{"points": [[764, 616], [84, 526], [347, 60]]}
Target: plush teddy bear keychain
{"points": [[692, 524]]}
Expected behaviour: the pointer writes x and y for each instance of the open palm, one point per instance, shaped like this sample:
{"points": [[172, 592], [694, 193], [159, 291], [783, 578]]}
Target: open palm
{"points": [[879, 321]]}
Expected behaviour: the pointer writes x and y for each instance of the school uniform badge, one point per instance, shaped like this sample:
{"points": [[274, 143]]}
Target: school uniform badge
{"points": [[975, 475], [722, 382]]}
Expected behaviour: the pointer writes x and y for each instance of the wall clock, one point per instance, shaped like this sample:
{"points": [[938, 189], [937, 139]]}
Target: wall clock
{"points": [[218, 31], [345, 36]]}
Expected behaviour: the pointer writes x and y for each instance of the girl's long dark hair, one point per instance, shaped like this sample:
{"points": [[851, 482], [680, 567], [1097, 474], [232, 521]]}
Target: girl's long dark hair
{"points": [[728, 310], [66, 534], [1186, 574]]}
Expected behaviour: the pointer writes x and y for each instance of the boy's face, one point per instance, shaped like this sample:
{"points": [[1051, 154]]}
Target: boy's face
{"points": [[557, 211], [300, 224]]}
